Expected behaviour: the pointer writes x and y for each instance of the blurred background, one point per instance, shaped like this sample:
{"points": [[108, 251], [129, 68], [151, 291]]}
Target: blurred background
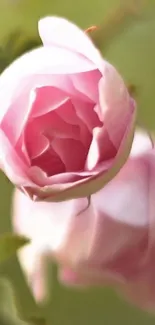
{"points": [[126, 37]]}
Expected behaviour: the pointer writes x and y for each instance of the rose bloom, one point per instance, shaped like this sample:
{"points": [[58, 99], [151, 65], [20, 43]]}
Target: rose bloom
{"points": [[66, 117], [110, 243]]}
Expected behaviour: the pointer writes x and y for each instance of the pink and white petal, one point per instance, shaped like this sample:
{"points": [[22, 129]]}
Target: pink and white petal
{"points": [[17, 95], [68, 113], [41, 62], [47, 99], [87, 83], [142, 143], [46, 223], [115, 111], [129, 185], [63, 33], [14, 167], [46, 61], [87, 114], [16, 115], [101, 149], [75, 249], [89, 251], [33, 261], [50, 163], [51, 125], [72, 153], [113, 214], [151, 237], [141, 292], [73, 278], [63, 179], [88, 278]]}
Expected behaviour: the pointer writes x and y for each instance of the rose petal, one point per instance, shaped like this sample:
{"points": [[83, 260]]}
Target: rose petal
{"points": [[87, 83], [35, 72], [38, 145], [86, 279], [47, 99], [87, 114], [142, 143], [50, 162], [116, 110], [48, 231], [13, 166], [101, 149], [60, 32], [68, 113], [141, 291], [130, 183], [72, 153]]}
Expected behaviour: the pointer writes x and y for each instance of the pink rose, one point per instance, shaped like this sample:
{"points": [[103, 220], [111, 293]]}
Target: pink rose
{"points": [[66, 117], [112, 242]]}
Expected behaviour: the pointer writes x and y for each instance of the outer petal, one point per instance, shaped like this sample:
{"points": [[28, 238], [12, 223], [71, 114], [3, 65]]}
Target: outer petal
{"points": [[11, 163], [120, 211], [40, 67], [116, 109], [142, 144], [141, 291], [115, 222], [60, 32], [47, 224]]}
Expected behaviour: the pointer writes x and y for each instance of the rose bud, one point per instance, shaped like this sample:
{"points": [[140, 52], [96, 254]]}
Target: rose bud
{"points": [[66, 117]]}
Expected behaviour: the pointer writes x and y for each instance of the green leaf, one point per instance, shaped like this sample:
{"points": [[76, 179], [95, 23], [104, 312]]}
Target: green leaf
{"points": [[8, 310], [19, 43], [4, 320], [9, 244], [7, 298], [37, 321]]}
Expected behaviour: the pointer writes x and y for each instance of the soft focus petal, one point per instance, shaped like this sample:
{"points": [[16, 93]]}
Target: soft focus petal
{"points": [[124, 202], [111, 213], [46, 224], [115, 110], [142, 144], [142, 291], [105, 243], [33, 260], [60, 32], [80, 279]]}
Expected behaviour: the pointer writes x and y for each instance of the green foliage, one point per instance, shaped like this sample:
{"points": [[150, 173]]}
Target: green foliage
{"points": [[37, 321], [9, 244], [8, 310], [7, 298]]}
